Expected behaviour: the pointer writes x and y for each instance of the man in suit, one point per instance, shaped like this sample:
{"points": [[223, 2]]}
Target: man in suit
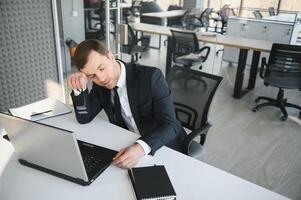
{"points": [[134, 97]]}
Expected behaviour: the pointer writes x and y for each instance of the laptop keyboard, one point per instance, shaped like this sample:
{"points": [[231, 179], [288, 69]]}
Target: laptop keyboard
{"points": [[91, 162]]}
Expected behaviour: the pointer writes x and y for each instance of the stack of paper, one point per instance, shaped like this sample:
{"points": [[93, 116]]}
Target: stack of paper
{"points": [[41, 109]]}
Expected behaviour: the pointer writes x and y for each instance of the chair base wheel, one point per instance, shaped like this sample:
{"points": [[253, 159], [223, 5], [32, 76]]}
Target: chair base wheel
{"points": [[255, 109], [283, 118]]}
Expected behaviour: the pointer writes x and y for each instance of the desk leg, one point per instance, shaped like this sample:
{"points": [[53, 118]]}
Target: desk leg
{"points": [[243, 53], [168, 55], [253, 72]]}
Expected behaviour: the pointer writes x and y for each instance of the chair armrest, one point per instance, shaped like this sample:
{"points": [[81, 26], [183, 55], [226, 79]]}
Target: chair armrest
{"points": [[262, 68], [207, 49], [202, 132]]}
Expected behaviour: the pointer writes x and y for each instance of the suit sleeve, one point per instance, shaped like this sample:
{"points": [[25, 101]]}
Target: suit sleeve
{"points": [[86, 105], [164, 114]]}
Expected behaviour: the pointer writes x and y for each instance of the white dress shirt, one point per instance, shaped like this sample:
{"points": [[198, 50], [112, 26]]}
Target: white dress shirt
{"points": [[125, 107]]}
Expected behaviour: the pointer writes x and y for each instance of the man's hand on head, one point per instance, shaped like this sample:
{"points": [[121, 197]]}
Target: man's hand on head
{"points": [[77, 81], [128, 157]]}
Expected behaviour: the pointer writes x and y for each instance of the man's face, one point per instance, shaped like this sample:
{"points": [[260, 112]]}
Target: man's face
{"points": [[103, 70]]}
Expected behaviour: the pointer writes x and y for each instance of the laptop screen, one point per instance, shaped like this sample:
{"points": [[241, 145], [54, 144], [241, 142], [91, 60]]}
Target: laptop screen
{"points": [[46, 146]]}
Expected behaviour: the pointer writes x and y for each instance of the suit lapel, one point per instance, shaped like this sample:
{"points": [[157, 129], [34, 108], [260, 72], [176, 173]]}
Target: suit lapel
{"points": [[132, 89], [107, 97]]}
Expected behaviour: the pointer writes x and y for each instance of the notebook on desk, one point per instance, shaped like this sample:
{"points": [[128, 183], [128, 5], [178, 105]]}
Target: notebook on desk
{"points": [[56, 151], [151, 183], [41, 109]]}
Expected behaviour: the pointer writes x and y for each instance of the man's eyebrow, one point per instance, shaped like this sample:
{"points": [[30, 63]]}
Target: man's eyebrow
{"points": [[96, 70]]}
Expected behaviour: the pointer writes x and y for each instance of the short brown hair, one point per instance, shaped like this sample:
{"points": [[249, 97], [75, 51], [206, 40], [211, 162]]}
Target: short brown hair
{"points": [[83, 50]]}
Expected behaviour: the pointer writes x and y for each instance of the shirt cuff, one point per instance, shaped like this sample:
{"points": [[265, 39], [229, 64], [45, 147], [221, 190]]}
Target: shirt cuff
{"points": [[78, 92], [144, 146]]}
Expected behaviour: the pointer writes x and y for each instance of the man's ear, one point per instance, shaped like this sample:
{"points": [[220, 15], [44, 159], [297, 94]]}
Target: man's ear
{"points": [[110, 55]]}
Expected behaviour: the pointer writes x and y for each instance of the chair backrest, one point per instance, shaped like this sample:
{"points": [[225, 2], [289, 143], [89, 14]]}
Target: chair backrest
{"points": [[284, 67], [184, 43], [205, 16], [187, 20], [192, 92], [257, 14], [136, 8], [272, 11]]}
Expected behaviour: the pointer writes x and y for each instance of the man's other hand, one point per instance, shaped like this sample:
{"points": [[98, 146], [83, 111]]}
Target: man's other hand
{"points": [[128, 157]]}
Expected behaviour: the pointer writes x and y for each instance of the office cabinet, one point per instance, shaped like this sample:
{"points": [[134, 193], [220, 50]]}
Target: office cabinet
{"points": [[280, 33]]}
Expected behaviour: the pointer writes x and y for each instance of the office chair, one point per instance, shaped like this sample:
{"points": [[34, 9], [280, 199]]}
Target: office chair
{"points": [[133, 47], [257, 14], [186, 49], [203, 20], [224, 14], [284, 72], [192, 92], [135, 9], [272, 11], [187, 21]]}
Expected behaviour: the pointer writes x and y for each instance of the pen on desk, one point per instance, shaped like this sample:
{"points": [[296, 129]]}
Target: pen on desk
{"points": [[40, 113]]}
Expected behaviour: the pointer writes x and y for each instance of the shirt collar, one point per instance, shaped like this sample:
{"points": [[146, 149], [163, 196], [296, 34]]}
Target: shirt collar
{"points": [[121, 83]]}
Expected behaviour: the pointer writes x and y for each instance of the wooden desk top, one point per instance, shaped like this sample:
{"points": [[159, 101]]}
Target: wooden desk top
{"points": [[237, 42]]}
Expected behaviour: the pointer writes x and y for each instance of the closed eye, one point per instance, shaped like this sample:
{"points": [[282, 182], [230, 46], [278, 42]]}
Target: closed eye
{"points": [[99, 68]]}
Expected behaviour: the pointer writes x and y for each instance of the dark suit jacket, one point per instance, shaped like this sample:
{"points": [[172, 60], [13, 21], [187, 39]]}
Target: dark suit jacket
{"points": [[150, 102]]}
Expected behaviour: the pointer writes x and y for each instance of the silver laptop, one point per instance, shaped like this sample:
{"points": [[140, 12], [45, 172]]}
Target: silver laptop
{"points": [[55, 150]]}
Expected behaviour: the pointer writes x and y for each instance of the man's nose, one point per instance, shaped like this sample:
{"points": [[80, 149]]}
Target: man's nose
{"points": [[101, 78]]}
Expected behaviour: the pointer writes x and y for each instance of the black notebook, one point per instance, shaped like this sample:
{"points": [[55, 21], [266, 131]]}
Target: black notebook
{"points": [[151, 183]]}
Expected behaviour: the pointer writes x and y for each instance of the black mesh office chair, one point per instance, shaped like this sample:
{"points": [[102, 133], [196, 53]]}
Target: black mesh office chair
{"points": [[192, 93], [186, 49], [135, 45], [257, 14], [283, 71], [188, 21], [272, 11], [204, 19]]}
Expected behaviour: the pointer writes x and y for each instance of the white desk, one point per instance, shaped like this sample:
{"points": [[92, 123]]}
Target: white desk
{"points": [[191, 179], [244, 44]]}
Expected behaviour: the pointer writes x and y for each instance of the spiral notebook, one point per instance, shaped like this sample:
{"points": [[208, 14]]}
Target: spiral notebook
{"points": [[151, 183]]}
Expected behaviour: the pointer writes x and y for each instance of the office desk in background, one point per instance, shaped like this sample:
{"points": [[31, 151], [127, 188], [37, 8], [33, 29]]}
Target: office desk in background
{"points": [[165, 15], [244, 44], [192, 179]]}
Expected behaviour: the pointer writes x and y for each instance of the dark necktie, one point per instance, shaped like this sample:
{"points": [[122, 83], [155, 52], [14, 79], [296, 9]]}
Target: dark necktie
{"points": [[118, 120]]}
